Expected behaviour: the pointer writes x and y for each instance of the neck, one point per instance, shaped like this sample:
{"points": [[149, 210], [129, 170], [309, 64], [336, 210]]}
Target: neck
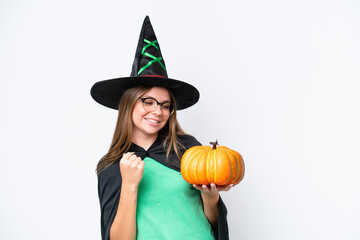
{"points": [[144, 141]]}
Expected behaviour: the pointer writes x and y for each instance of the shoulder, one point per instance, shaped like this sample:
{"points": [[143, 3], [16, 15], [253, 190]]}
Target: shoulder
{"points": [[109, 172], [188, 141]]}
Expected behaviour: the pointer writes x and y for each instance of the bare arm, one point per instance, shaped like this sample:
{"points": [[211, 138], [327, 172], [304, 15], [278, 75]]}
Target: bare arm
{"points": [[211, 208], [210, 197], [124, 224]]}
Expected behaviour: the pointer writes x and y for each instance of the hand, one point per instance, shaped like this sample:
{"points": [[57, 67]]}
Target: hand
{"points": [[212, 190], [132, 169]]}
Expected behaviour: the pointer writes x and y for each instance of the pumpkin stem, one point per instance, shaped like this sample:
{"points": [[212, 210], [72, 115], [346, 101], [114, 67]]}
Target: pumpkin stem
{"points": [[214, 144]]}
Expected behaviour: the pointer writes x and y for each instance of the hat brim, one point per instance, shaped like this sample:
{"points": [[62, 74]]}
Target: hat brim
{"points": [[108, 92]]}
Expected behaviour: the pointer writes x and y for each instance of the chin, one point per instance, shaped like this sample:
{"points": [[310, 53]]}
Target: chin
{"points": [[152, 129]]}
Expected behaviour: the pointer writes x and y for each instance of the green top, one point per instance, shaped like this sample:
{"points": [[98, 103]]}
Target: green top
{"points": [[168, 207]]}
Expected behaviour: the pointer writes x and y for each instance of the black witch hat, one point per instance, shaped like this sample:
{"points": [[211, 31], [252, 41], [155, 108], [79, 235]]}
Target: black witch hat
{"points": [[148, 69]]}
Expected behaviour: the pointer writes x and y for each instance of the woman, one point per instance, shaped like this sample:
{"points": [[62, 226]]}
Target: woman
{"points": [[142, 194]]}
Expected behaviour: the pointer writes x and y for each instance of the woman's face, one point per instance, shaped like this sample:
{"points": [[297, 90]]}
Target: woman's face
{"points": [[148, 124]]}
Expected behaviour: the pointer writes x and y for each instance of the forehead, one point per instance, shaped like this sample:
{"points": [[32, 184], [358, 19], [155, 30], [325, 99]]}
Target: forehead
{"points": [[159, 93]]}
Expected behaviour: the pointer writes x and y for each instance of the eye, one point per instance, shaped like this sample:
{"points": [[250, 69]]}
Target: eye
{"points": [[166, 106], [149, 102]]}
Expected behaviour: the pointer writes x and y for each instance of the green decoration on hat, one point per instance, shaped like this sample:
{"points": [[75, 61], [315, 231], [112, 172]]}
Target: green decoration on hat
{"points": [[154, 59]]}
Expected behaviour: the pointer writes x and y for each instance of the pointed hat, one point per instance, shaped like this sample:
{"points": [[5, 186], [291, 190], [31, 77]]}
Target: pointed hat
{"points": [[148, 69]]}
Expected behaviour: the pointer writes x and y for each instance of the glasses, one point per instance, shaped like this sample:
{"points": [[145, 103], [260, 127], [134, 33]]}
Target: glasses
{"points": [[150, 104]]}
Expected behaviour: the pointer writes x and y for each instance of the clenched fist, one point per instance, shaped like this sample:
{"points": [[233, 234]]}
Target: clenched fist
{"points": [[132, 169]]}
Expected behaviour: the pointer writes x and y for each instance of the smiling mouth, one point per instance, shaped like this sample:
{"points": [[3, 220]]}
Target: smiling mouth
{"points": [[152, 120]]}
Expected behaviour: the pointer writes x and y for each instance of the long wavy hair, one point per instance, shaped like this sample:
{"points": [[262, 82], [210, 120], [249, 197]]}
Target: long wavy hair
{"points": [[121, 141]]}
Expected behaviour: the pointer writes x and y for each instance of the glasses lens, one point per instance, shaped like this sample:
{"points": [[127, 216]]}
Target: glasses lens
{"points": [[149, 104], [166, 108]]}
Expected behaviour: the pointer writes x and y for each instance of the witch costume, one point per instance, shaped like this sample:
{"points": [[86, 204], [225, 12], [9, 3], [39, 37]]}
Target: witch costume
{"points": [[167, 206]]}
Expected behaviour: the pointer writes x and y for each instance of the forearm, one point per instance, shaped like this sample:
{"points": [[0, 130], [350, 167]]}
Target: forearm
{"points": [[210, 203], [124, 224]]}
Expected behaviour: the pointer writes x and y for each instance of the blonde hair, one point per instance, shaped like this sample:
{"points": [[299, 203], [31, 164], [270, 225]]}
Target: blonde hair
{"points": [[121, 141]]}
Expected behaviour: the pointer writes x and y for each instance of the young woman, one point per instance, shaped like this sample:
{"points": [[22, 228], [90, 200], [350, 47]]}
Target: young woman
{"points": [[141, 191]]}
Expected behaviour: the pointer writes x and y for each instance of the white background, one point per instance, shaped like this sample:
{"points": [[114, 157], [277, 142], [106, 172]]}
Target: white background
{"points": [[278, 82]]}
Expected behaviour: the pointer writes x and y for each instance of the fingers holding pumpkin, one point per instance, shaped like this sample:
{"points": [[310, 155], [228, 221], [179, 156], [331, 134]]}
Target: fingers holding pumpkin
{"points": [[225, 188], [212, 188]]}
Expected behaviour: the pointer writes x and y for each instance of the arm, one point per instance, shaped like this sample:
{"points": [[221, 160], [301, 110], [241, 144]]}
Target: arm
{"points": [[124, 224], [211, 207], [210, 197]]}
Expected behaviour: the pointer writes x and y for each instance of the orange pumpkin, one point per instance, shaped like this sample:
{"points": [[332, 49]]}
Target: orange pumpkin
{"points": [[205, 165]]}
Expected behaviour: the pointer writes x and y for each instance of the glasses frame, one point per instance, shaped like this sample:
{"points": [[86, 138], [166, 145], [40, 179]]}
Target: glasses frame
{"points": [[172, 106]]}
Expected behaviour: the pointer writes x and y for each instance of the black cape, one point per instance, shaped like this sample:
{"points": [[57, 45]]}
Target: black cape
{"points": [[109, 185]]}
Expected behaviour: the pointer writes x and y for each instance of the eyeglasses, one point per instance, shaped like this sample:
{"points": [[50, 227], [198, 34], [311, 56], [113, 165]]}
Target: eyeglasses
{"points": [[150, 104]]}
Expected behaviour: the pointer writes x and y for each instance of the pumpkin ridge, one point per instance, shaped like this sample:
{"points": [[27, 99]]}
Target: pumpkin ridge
{"points": [[228, 154], [241, 167], [188, 156], [240, 162], [215, 165], [202, 173], [203, 170], [185, 165], [208, 154], [193, 170], [220, 168]]}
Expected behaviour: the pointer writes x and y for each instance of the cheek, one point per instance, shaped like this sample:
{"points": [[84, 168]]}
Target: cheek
{"points": [[166, 120], [137, 113]]}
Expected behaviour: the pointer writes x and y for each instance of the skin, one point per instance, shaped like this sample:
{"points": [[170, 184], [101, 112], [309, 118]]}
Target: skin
{"points": [[145, 132]]}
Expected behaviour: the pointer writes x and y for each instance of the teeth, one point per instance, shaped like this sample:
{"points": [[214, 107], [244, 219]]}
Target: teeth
{"points": [[153, 121]]}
